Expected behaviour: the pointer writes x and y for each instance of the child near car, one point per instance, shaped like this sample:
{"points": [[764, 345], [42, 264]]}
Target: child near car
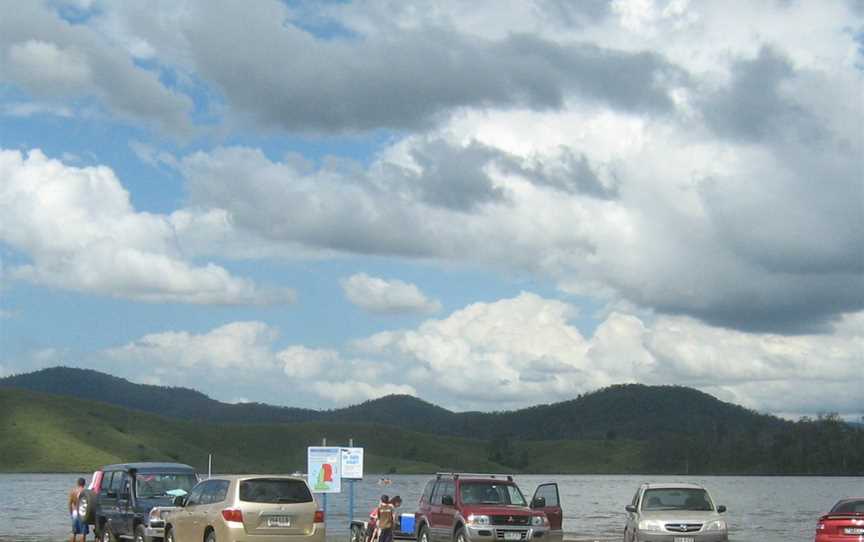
{"points": [[79, 526]]}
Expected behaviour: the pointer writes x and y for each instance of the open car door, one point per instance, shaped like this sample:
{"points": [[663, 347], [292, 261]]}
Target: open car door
{"points": [[547, 500]]}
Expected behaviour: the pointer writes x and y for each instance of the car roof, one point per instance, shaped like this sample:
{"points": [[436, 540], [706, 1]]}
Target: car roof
{"points": [[669, 485], [241, 477], [151, 467]]}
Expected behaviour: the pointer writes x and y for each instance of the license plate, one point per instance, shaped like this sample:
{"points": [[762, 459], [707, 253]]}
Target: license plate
{"points": [[683, 539], [512, 535], [278, 521], [853, 530]]}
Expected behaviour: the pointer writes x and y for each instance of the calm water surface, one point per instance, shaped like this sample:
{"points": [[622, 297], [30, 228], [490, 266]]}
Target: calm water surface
{"points": [[761, 509]]}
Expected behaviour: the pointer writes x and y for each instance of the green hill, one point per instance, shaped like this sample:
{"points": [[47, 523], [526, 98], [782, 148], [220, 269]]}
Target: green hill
{"points": [[628, 411], [623, 428], [46, 433]]}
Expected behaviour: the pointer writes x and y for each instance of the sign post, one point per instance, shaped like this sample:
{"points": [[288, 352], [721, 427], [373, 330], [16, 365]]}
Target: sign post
{"points": [[352, 469]]}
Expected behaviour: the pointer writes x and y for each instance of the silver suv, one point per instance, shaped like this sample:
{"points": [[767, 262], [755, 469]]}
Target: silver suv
{"points": [[674, 513]]}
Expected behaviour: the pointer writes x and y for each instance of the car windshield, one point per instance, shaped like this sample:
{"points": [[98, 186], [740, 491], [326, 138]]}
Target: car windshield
{"points": [[490, 493], [849, 507], [152, 484], [676, 499]]}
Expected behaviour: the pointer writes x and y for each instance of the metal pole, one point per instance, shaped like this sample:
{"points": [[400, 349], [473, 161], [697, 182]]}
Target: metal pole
{"points": [[324, 500], [351, 490], [209, 465]]}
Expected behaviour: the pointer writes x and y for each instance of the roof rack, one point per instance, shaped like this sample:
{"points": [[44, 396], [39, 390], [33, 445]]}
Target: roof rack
{"points": [[456, 475]]}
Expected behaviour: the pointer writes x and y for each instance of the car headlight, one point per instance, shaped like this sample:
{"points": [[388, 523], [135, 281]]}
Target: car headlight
{"points": [[539, 520], [650, 525], [155, 515], [478, 520], [716, 525]]}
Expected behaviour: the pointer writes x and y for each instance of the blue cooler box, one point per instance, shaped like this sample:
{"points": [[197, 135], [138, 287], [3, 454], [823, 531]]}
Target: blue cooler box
{"points": [[406, 523]]}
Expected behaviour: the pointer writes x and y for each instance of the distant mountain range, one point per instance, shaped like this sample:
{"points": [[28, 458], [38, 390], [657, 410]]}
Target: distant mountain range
{"points": [[628, 411], [623, 428]]}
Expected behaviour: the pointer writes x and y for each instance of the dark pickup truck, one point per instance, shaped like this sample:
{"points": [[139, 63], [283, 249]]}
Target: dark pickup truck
{"points": [[127, 500]]}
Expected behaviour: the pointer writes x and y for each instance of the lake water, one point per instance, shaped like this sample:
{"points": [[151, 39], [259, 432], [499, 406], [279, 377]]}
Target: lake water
{"points": [[761, 509]]}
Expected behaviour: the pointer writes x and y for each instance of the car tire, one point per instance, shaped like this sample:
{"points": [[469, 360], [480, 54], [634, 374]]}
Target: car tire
{"points": [[169, 534], [86, 500], [107, 535], [423, 535], [140, 536], [211, 537], [357, 534], [461, 535]]}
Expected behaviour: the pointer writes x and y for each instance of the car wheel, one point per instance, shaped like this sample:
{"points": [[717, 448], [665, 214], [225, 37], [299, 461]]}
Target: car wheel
{"points": [[211, 537], [356, 534], [107, 535], [424, 534], [85, 506], [139, 534], [169, 534], [461, 536]]}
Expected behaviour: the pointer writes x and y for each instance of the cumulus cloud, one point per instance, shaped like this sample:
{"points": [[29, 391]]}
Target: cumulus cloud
{"points": [[243, 357], [80, 231], [386, 296], [48, 57], [525, 351], [511, 353], [385, 76], [237, 345]]}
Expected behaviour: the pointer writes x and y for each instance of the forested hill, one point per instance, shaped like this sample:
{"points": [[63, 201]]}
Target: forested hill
{"points": [[663, 429], [174, 402], [622, 411]]}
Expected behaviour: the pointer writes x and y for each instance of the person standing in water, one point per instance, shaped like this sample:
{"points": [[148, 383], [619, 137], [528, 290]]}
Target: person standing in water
{"points": [[79, 525]]}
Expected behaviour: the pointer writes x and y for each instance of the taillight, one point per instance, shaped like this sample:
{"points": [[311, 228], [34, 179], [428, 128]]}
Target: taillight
{"points": [[233, 514], [319, 516]]}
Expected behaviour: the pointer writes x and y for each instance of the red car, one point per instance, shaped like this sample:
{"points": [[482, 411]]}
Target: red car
{"points": [[844, 523], [460, 507]]}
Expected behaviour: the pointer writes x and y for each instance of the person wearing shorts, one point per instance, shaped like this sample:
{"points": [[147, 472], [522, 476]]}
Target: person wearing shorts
{"points": [[79, 525]]}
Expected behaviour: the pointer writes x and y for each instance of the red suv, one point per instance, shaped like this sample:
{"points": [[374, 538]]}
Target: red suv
{"points": [[486, 508]]}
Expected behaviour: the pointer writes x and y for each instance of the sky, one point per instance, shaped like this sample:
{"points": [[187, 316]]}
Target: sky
{"points": [[484, 204]]}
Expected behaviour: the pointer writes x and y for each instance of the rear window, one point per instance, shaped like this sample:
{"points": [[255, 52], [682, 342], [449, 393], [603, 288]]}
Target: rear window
{"points": [[849, 507], [274, 490]]}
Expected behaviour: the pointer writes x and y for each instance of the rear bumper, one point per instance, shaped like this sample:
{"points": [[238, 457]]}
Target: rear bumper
{"points": [[239, 534], [643, 536]]}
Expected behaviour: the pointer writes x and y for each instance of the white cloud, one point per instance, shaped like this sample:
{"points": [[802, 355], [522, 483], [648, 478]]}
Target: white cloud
{"points": [[238, 345], [387, 296], [48, 57], [301, 362], [27, 109], [524, 351], [79, 229], [509, 354], [351, 393]]}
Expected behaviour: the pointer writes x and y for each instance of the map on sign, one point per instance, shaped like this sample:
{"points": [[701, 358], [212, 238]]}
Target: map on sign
{"points": [[324, 469], [352, 463]]}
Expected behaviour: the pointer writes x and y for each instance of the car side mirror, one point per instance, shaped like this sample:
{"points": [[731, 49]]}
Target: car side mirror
{"points": [[179, 500], [447, 500], [538, 502], [721, 508], [630, 508]]}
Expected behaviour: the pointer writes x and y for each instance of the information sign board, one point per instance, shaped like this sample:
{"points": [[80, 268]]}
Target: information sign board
{"points": [[352, 463], [324, 469]]}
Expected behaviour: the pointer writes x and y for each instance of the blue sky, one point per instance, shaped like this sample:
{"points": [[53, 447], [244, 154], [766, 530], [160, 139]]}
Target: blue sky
{"points": [[314, 204]]}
